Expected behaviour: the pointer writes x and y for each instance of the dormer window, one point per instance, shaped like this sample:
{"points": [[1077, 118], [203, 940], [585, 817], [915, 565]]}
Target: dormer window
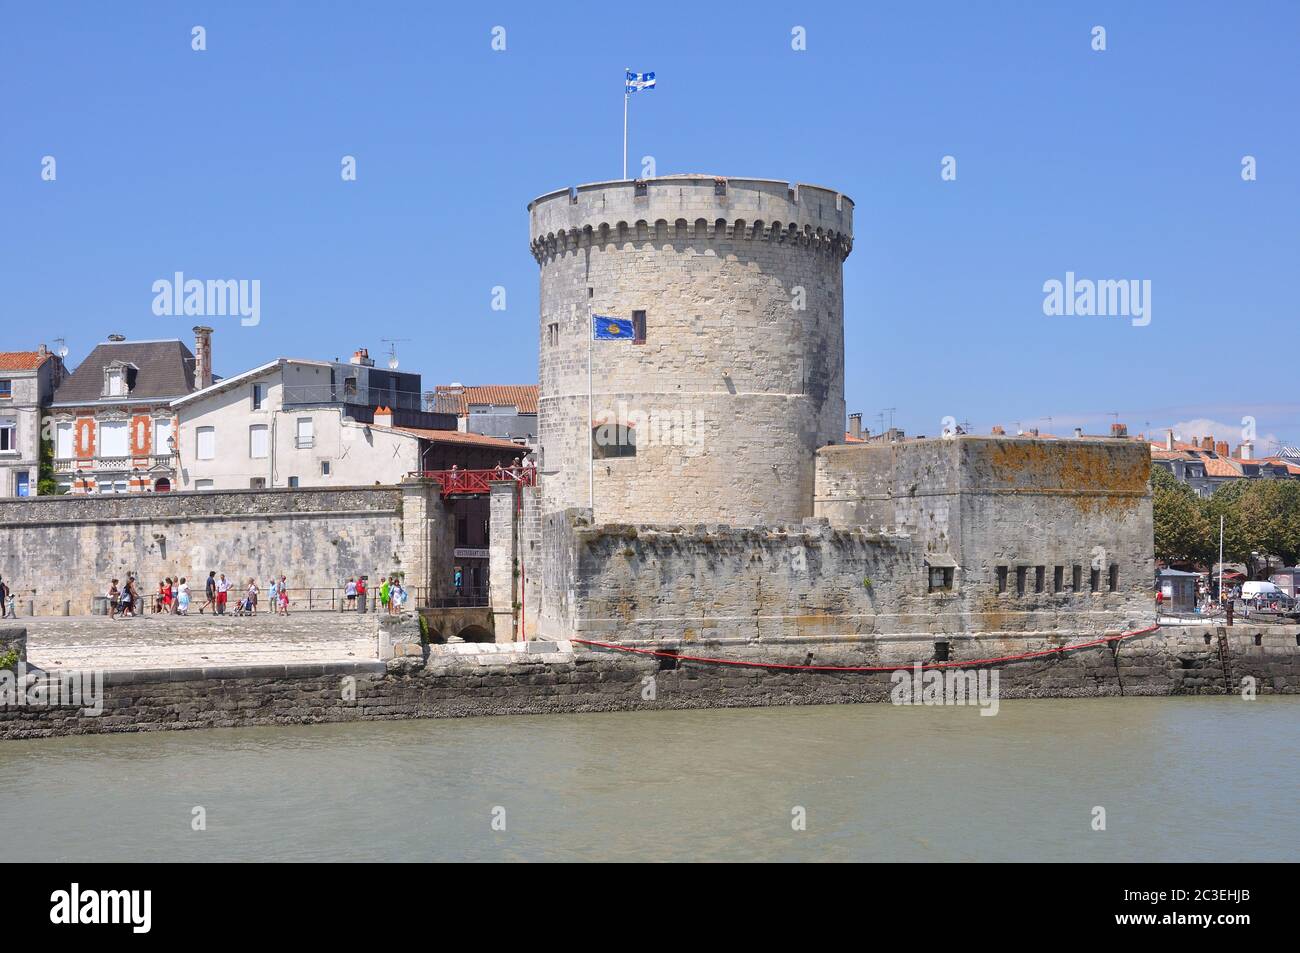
{"points": [[118, 378]]}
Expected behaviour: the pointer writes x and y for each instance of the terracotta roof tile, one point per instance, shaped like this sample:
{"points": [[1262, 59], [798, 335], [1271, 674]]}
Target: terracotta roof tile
{"points": [[22, 360], [464, 439], [522, 396], [1219, 467]]}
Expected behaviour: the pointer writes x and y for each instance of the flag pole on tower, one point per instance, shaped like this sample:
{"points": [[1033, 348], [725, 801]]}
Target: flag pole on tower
{"points": [[626, 93]]}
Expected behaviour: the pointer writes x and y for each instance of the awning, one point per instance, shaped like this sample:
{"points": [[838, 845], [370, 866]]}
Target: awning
{"points": [[940, 561]]}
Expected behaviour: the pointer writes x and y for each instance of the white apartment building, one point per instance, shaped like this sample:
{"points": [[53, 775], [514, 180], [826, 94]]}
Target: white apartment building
{"points": [[283, 425]]}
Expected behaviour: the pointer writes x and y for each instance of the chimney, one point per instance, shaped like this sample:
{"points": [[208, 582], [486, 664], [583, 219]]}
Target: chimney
{"points": [[998, 431], [1033, 431], [361, 357], [383, 416], [1247, 450], [1221, 448], [202, 357], [1207, 443], [855, 426], [1169, 439], [1078, 433], [1119, 430]]}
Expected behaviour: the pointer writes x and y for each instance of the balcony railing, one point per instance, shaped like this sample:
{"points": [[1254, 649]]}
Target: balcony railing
{"points": [[124, 464], [341, 394]]}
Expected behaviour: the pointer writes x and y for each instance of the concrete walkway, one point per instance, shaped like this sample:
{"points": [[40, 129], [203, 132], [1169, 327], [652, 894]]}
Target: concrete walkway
{"points": [[194, 641]]}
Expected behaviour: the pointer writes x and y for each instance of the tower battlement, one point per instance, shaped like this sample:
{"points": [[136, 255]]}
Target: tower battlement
{"points": [[691, 208]]}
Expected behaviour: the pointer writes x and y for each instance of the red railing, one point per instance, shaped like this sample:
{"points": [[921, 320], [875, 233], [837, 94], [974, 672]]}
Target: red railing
{"points": [[479, 481]]}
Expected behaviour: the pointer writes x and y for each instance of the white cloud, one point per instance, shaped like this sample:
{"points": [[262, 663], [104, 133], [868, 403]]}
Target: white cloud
{"points": [[1191, 431]]}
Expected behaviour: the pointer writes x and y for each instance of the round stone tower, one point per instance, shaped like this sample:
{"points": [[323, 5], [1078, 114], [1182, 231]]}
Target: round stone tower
{"points": [[734, 377]]}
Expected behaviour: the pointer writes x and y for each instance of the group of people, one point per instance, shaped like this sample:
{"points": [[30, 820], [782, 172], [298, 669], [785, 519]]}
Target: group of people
{"points": [[173, 596]]}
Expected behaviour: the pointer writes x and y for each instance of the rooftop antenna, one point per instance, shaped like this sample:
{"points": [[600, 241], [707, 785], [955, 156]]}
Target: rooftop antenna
{"points": [[890, 411], [392, 350], [61, 347]]}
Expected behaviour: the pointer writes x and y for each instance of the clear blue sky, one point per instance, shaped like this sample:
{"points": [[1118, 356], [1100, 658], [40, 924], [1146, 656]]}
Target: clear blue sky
{"points": [[1119, 164]]}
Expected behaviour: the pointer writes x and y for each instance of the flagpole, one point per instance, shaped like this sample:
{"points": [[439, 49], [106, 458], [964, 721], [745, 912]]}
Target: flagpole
{"points": [[591, 454], [625, 72]]}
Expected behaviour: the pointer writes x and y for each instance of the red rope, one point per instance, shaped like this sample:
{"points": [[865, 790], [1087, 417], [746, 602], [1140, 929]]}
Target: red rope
{"points": [[871, 668]]}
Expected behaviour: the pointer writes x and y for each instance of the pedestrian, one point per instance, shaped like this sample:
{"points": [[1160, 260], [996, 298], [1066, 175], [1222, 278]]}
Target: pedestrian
{"points": [[350, 593], [10, 607], [4, 595], [130, 595], [183, 598], [223, 590], [114, 596], [383, 593], [458, 580], [158, 597], [361, 593], [284, 597], [209, 593], [252, 597], [273, 593]]}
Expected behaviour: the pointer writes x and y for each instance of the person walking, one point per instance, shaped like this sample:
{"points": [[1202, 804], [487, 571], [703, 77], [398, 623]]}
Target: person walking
{"points": [[10, 607], [209, 593], [130, 595], [183, 598], [361, 594], [223, 591], [114, 597], [284, 597], [383, 593], [252, 597], [350, 593], [4, 595]]}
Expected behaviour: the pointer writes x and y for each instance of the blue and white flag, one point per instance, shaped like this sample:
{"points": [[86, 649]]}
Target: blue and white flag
{"points": [[610, 329], [639, 81]]}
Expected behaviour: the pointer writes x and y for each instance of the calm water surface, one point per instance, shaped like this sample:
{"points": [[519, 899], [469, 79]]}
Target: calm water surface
{"points": [[1180, 779]]}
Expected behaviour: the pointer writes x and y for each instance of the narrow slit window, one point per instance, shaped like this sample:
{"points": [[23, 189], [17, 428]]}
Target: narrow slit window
{"points": [[638, 327], [1058, 579], [1002, 579], [1040, 578], [1076, 578], [1021, 572], [1113, 581]]}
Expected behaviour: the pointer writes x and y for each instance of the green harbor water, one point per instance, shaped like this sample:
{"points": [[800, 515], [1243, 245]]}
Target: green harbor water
{"points": [[1186, 779]]}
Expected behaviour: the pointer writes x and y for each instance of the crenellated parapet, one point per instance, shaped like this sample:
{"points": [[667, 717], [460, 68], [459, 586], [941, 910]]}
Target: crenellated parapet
{"points": [[691, 208]]}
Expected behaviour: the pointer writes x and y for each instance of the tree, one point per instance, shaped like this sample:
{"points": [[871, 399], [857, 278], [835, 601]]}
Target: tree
{"points": [[1181, 529]]}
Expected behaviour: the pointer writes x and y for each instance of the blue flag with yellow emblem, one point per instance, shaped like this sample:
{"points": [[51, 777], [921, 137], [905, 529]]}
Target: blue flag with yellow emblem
{"points": [[605, 328]]}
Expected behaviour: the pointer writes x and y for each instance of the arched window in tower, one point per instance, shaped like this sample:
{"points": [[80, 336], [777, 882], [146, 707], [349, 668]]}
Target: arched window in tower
{"points": [[612, 440]]}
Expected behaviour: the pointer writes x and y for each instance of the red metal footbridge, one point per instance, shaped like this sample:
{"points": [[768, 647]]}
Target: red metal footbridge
{"points": [[456, 482]]}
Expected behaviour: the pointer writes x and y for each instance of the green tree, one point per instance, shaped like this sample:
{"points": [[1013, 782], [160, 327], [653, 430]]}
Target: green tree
{"points": [[1181, 529]]}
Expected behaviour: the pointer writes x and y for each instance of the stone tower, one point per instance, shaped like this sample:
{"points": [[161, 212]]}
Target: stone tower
{"points": [[736, 378]]}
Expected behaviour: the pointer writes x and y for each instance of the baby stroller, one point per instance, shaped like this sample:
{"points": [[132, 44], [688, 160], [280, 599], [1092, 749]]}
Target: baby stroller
{"points": [[244, 606]]}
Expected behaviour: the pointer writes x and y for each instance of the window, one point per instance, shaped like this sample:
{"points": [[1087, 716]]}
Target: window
{"points": [[462, 531], [640, 188], [612, 440], [258, 442], [21, 486], [1002, 579], [553, 333], [1040, 578], [257, 483], [8, 435], [259, 395], [1114, 577], [1058, 578], [1076, 579], [1021, 571], [205, 443], [202, 484], [1094, 579], [293, 482], [6, 389], [638, 327], [117, 382], [324, 468], [113, 437], [63, 440], [306, 438], [940, 578], [162, 432]]}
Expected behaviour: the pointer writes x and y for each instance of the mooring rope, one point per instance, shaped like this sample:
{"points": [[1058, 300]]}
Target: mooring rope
{"points": [[1059, 650]]}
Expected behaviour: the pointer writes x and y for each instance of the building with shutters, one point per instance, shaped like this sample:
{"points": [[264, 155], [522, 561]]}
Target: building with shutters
{"points": [[27, 383], [111, 419]]}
